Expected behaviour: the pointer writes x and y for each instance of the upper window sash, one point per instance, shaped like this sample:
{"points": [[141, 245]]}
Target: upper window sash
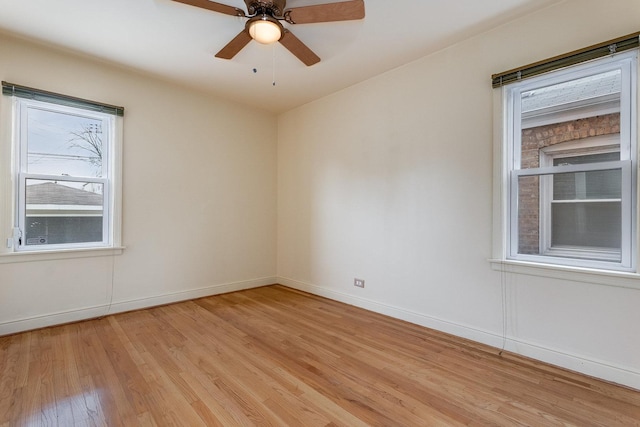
{"points": [[625, 62], [107, 128]]}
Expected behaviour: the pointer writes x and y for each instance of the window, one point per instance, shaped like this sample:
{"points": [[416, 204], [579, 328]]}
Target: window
{"points": [[66, 176], [571, 158]]}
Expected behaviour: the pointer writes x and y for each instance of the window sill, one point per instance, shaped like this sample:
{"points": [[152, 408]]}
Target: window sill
{"points": [[618, 279], [13, 257]]}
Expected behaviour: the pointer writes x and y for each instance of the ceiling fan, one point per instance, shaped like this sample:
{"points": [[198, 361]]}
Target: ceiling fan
{"points": [[263, 24]]}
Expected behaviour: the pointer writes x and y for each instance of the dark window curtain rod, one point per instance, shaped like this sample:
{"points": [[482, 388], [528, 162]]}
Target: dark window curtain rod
{"points": [[12, 89], [610, 47]]}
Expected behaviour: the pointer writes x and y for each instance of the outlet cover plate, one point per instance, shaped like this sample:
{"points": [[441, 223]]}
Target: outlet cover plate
{"points": [[358, 282]]}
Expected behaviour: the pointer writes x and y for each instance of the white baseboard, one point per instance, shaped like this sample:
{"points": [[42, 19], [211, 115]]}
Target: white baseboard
{"points": [[137, 304], [68, 316], [588, 366]]}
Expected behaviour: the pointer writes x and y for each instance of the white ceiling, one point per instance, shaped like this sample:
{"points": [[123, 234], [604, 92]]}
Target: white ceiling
{"points": [[178, 41]]}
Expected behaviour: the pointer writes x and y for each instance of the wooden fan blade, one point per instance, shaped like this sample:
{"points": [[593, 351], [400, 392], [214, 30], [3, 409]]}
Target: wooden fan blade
{"points": [[234, 46], [329, 12], [299, 49], [216, 7]]}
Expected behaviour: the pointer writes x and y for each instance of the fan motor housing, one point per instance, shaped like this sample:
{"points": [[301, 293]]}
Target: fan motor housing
{"points": [[276, 7]]}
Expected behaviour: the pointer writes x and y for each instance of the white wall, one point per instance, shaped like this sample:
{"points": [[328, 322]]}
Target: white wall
{"points": [[391, 181], [199, 199]]}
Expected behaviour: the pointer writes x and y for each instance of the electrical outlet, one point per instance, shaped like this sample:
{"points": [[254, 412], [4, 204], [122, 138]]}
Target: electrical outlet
{"points": [[358, 282]]}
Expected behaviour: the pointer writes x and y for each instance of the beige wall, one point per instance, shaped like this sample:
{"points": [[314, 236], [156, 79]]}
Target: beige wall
{"points": [[391, 181], [199, 199]]}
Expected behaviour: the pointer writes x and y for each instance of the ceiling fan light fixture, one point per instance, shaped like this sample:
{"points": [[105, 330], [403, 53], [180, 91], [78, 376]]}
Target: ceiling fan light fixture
{"points": [[265, 29]]}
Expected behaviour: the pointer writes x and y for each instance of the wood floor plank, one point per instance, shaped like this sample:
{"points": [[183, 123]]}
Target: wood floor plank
{"points": [[273, 356], [13, 359], [112, 393]]}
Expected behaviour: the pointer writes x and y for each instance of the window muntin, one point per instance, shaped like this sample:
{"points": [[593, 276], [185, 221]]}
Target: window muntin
{"points": [[571, 147], [64, 177]]}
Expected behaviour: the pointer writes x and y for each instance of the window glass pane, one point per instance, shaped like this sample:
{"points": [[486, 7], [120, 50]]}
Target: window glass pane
{"points": [[60, 212], [596, 225], [583, 219], [59, 143], [606, 184], [570, 113], [586, 158], [573, 91], [529, 215]]}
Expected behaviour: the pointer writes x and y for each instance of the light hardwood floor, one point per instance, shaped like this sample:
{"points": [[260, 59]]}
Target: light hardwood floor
{"points": [[274, 356]]}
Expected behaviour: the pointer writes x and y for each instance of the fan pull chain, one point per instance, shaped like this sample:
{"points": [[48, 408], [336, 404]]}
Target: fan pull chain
{"points": [[274, 64]]}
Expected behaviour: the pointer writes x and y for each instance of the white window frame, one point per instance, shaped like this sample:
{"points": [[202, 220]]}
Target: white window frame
{"points": [[512, 122], [110, 177]]}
